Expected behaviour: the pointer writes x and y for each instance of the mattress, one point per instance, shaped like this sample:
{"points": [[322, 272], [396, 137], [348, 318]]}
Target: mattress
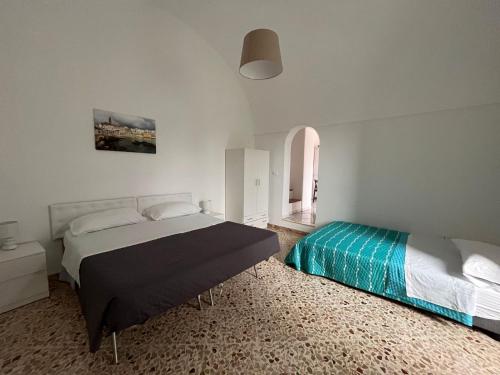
{"points": [[487, 307], [488, 302], [79, 247]]}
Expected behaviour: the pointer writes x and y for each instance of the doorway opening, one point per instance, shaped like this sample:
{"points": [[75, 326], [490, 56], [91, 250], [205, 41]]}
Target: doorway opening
{"points": [[301, 182]]}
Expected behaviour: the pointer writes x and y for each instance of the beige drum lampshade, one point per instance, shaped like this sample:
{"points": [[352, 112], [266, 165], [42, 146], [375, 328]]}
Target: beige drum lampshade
{"points": [[261, 57]]}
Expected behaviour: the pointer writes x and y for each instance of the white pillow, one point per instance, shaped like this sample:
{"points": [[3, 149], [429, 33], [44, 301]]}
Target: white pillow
{"points": [[105, 219], [480, 259], [170, 209]]}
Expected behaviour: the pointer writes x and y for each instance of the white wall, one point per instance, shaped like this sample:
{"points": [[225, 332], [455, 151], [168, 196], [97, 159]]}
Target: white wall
{"points": [[279, 145], [311, 141], [316, 161], [346, 61], [436, 173], [297, 164], [61, 59]]}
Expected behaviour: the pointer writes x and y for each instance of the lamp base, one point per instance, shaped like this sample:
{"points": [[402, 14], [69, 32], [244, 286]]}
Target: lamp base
{"points": [[9, 244]]}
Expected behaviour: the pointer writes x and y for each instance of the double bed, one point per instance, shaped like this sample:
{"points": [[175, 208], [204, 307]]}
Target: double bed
{"points": [[128, 274], [421, 271]]}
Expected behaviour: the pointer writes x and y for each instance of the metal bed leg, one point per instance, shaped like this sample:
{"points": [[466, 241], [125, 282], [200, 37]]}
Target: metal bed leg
{"points": [[115, 349], [199, 301], [211, 297], [255, 269]]}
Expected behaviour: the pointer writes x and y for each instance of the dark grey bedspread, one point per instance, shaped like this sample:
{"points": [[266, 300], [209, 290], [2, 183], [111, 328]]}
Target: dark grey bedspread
{"points": [[127, 286]]}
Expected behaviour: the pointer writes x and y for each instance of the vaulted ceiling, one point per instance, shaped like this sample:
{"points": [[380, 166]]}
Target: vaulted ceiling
{"points": [[351, 60]]}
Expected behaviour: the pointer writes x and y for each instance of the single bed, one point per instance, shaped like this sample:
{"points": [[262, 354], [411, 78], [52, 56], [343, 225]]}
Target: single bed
{"points": [[421, 271], [130, 273]]}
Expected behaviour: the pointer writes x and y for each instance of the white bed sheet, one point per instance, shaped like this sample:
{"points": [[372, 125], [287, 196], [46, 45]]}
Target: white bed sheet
{"points": [[79, 247], [433, 272]]}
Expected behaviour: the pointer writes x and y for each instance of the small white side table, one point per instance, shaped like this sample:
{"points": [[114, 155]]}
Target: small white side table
{"points": [[23, 275]]}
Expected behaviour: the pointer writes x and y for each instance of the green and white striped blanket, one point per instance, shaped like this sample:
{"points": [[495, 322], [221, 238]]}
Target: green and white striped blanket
{"points": [[364, 257]]}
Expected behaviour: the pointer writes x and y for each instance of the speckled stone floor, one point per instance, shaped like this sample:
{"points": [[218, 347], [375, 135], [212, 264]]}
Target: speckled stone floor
{"points": [[285, 322]]}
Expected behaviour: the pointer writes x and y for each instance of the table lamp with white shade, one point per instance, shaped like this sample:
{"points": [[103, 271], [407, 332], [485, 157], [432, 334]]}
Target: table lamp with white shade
{"points": [[8, 234], [206, 206]]}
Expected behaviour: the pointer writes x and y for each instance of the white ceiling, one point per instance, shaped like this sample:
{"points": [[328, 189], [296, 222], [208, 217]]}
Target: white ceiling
{"points": [[350, 60]]}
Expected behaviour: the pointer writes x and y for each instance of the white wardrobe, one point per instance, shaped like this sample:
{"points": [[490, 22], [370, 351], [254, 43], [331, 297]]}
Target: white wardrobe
{"points": [[247, 186]]}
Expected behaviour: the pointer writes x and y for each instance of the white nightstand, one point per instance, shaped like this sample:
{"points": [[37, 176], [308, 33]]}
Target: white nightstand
{"points": [[23, 276], [218, 215]]}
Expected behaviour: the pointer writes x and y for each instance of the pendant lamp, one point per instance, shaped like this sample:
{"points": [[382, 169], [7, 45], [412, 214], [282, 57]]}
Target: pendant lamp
{"points": [[260, 56]]}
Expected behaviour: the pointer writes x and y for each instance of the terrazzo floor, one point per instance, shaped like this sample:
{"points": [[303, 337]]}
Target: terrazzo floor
{"points": [[285, 322], [306, 217]]}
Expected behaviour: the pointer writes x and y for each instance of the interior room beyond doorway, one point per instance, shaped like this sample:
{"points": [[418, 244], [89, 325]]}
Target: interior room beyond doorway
{"points": [[303, 185]]}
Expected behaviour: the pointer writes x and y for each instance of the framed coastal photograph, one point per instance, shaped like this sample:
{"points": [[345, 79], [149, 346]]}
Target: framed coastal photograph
{"points": [[119, 132]]}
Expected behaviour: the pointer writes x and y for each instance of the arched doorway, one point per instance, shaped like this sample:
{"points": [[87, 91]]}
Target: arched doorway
{"points": [[300, 177]]}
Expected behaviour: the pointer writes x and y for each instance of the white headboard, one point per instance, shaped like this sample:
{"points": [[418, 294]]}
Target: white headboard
{"points": [[150, 200], [61, 214]]}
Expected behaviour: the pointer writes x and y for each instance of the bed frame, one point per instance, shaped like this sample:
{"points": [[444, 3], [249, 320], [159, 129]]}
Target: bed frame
{"points": [[61, 214]]}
